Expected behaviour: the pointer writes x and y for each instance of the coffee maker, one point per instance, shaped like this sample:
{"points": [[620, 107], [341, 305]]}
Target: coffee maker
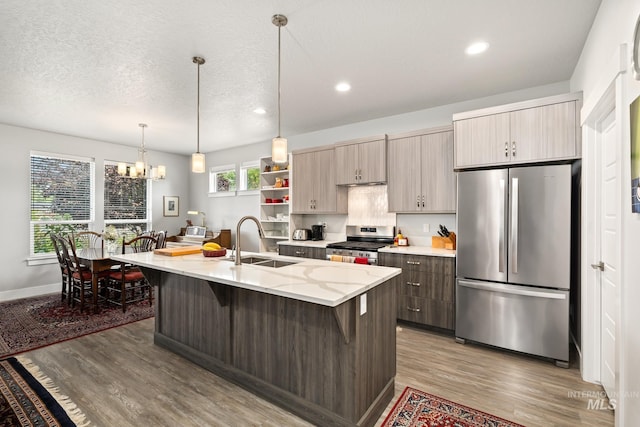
{"points": [[317, 232]]}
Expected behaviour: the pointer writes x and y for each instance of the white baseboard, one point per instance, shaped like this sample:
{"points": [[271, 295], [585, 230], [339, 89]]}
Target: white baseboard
{"points": [[30, 292]]}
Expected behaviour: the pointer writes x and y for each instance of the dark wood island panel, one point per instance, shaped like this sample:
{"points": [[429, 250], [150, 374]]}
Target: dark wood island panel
{"points": [[329, 365]]}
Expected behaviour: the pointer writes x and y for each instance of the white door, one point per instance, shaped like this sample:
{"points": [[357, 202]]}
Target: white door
{"points": [[609, 253]]}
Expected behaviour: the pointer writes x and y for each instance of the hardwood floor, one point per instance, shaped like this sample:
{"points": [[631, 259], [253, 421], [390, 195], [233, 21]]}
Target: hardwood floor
{"points": [[119, 377]]}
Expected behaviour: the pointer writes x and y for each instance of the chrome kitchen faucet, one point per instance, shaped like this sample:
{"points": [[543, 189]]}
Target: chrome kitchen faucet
{"points": [[260, 233]]}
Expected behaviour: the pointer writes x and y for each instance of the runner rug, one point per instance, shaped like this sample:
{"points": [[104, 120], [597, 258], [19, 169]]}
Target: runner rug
{"points": [[31, 323], [416, 408], [29, 398]]}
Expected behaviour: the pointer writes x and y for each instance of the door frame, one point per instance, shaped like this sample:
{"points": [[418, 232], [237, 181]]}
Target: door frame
{"points": [[606, 97]]}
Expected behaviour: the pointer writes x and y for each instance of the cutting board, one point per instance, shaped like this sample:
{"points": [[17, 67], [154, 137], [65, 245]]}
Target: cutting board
{"points": [[183, 250]]}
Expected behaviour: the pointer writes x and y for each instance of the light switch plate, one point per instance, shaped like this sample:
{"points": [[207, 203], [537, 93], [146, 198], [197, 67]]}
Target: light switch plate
{"points": [[425, 228]]}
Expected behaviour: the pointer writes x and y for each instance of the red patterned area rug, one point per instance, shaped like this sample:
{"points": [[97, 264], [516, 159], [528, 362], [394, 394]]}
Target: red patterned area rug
{"points": [[416, 408], [29, 398], [30, 323]]}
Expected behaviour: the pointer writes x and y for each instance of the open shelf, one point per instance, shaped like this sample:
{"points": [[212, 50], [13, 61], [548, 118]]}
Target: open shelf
{"points": [[268, 190]]}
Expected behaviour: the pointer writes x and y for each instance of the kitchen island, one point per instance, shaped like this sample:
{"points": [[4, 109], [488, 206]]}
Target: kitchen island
{"points": [[315, 337]]}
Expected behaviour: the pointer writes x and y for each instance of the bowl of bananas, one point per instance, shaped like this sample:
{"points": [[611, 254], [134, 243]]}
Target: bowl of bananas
{"points": [[211, 249]]}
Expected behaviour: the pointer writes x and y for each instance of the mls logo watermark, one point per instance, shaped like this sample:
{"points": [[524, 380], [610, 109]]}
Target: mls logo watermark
{"points": [[601, 404], [598, 400]]}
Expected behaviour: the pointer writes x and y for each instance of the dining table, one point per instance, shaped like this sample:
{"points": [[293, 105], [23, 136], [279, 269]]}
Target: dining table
{"points": [[98, 260]]}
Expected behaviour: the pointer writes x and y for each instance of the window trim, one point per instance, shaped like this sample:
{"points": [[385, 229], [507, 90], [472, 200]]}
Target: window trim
{"points": [[43, 258], [242, 191], [149, 213], [213, 171]]}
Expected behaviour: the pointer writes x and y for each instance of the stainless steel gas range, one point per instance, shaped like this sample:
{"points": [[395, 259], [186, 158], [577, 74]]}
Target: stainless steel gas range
{"points": [[363, 241]]}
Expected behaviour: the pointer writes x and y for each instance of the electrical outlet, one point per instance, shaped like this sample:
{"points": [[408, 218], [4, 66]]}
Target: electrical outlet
{"points": [[425, 228]]}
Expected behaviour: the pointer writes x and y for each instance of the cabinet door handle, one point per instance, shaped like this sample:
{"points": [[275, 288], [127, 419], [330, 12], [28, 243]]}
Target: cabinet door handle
{"points": [[423, 201], [360, 174], [513, 148], [415, 310], [418, 201], [506, 149], [413, 284], [355, 173], [299, 252], [413, 262]]}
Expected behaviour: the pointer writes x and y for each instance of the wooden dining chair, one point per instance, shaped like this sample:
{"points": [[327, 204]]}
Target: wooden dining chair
{"points": [[88, 239], [64, 267], [80, 276], [161, 237], [128, 285]]}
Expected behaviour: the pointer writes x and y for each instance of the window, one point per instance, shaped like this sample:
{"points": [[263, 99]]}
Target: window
{"points": [[222, 180], [126, 204], [249, 176], [62, 201]]}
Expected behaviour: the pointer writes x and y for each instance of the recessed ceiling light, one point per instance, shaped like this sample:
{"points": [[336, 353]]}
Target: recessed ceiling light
{"points": [[260, 111], [476, 48], [343, 87]]}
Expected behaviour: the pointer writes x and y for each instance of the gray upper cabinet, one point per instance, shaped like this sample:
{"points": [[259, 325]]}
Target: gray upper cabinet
{"points": [[314, 189], [361, 161], [421, 176], [533, 131]]}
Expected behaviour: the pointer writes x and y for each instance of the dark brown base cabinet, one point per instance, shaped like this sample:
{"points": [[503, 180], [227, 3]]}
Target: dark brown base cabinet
{"points": [[332, 366], [426, 288], [302, 251]]}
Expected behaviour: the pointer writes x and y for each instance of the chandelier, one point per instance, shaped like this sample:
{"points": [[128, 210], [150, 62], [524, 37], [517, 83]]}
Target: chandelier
{"points": [[142, 169]]}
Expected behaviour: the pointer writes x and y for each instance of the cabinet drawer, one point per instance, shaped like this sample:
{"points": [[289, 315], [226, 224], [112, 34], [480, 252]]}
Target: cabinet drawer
{"points": [[301, 251], [427, 285], [424, 263], [426, 311]]}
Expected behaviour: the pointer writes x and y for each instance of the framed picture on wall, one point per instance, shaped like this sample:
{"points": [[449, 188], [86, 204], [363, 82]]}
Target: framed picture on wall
{"points": [[171, 205]]}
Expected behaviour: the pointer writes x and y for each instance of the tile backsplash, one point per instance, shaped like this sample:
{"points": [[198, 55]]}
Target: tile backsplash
{"points": [[368, 206]]}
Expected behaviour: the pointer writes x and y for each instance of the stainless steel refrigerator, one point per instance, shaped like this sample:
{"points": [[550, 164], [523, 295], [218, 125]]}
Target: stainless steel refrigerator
{"points": [[513, 260]]}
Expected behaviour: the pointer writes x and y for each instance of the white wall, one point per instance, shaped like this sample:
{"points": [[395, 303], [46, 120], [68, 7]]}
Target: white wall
{"points": [[21, 280], [225, 212], [16, 143], [614, 25]]}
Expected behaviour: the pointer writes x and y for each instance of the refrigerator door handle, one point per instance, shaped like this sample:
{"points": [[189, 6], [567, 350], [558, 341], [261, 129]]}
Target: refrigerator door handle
{"points": [[501, 249], [514, 224], [511, 289]]}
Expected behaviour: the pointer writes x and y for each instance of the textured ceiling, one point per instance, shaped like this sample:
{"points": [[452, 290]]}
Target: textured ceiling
{"points": [[98, 68]]}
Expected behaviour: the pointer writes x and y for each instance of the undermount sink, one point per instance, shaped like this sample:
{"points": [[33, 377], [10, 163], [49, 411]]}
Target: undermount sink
{"points": [[274, 263], [253, 259], [264, 262]]}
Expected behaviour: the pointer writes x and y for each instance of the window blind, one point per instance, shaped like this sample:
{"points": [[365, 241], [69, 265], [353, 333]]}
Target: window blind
{"points": [[125, 203], [61, 198]]}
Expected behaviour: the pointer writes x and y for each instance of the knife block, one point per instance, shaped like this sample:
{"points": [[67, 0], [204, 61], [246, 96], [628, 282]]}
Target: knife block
{"points": [[444, 242]]}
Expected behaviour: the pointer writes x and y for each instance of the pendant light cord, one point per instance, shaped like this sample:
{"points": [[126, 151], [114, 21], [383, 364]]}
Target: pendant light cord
{"points": [[198, 120], [279, 29]]}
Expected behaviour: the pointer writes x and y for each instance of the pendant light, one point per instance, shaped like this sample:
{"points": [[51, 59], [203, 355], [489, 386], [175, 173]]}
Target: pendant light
{"points": [[279, 144], [197, 158]]}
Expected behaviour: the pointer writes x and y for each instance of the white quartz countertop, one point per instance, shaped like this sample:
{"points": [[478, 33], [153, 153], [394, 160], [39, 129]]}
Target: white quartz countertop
{"points": [[406, 250], [315, 281], [419, 250]]}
